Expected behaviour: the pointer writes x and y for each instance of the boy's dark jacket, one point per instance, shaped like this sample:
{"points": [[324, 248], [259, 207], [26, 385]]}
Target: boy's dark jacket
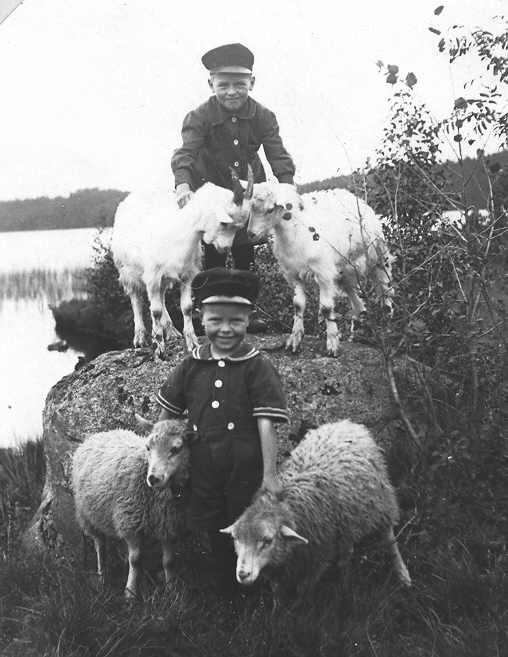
{"points": [[214, 140]]}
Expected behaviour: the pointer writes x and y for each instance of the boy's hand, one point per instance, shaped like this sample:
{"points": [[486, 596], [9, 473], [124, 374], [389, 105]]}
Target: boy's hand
{"points": [[271, 484], [183, 194]]}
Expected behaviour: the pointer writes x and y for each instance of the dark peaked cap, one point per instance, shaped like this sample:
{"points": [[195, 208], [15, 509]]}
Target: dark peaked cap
{"points": [[230, 58], [219, 285]]}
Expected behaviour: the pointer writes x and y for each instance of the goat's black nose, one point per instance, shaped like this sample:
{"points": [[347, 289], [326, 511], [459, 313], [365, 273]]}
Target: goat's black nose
{"points": [[242, 575], [153, 480], [157, 314]]}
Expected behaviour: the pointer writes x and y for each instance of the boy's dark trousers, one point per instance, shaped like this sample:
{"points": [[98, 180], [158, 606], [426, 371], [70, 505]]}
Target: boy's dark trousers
{"points": [[224, 557], [226, 471], [242, 252]]}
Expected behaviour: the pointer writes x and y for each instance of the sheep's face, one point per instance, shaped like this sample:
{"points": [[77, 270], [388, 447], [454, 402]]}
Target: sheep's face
{"points": [[270, 204], [260, 542], [167, 454], [220, 229]]}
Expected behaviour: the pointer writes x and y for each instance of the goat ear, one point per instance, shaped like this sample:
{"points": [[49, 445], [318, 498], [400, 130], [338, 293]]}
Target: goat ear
{"points": [[228, 530], [142, 423], [290, 533]]}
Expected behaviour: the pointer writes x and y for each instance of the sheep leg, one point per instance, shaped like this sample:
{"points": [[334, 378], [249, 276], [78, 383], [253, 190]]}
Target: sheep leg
{"points": [[345, 570], [134, 549], [186, 306], [326, 305], [100, 551], [398, 563], [167, 560], [296, 337]]}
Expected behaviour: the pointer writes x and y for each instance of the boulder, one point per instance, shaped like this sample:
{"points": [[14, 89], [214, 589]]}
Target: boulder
{"points": [[105, 393]]}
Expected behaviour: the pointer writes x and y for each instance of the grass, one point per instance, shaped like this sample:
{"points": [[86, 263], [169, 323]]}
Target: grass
{"points": [[46, 284], [22, 472], [453, 539]]}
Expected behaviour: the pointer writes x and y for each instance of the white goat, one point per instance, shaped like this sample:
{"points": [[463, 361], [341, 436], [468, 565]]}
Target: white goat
{"points": [[156, 244], [335, 238]]}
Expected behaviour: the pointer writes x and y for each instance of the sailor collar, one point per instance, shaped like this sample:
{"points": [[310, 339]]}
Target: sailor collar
{"points": [[219, 115], [244, 352]]}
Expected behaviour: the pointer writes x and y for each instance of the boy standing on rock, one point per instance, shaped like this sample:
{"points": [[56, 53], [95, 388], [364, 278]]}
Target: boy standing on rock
{"points": [[226, 133], [233, 396]]}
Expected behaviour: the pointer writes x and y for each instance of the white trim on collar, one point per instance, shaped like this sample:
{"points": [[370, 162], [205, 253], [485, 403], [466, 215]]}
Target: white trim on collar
{"points": [[203, 352]]}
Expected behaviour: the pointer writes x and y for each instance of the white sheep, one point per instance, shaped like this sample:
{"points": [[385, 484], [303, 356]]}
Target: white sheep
{"points": [[123, 488], [334, 237], [155, 244], [335, 491]]}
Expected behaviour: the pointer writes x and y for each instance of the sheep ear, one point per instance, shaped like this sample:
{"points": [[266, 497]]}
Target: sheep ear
{"points": [[142, 423], [228, 530], [290, 533]]}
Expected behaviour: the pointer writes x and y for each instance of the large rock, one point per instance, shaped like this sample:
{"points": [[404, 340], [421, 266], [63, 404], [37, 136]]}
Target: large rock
{"points": [[106, 392]]}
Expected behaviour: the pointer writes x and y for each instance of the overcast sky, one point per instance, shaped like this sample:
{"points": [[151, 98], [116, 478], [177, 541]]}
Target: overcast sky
{"points": [[93, 92]]}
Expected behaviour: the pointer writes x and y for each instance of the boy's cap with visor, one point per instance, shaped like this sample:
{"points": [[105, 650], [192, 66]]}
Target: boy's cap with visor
{"points": [[220, 285], [229, 58]]}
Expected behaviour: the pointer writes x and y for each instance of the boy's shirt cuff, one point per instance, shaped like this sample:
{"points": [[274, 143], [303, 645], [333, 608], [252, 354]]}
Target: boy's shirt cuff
{"points": [[183, 176], [169, 406], [275, 414], [286, 178]]}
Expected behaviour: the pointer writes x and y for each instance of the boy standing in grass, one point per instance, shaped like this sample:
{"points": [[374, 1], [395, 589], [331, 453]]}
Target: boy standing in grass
{"points": [[233, 396], [226, 133]]}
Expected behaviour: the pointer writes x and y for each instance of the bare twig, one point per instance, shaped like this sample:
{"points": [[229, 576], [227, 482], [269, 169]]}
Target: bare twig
{"points": [[398, 403]]}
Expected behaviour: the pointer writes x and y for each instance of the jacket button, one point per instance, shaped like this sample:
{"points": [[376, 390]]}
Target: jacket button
{"points": [[218, 383], [234, 119], [236, 164], [235, 142], [221, 363], [231, 426], [215, 404]]}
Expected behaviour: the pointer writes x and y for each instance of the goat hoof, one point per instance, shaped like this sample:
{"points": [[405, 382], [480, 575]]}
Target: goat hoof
{"points": [[140, 341], [171, 333], [293, 344], [158, 349], [191, 341]]}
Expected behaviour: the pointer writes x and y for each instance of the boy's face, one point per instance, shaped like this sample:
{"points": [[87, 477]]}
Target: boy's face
{"points": [[231, 89], [225, 325]]}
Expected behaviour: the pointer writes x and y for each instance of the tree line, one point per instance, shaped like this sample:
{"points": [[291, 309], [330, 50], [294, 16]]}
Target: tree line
{"points": [[86, 208], [465, 179]]}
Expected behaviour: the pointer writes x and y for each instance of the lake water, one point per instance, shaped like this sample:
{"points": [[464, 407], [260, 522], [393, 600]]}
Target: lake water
{"points": [[37, 269]]}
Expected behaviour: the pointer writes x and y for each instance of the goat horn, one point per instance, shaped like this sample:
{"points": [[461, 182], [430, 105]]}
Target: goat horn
{"points": [[250, 182], [238, 191]]}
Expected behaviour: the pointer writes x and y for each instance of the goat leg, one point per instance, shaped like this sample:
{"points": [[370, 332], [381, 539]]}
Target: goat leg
{"points": [[296, 337]]}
